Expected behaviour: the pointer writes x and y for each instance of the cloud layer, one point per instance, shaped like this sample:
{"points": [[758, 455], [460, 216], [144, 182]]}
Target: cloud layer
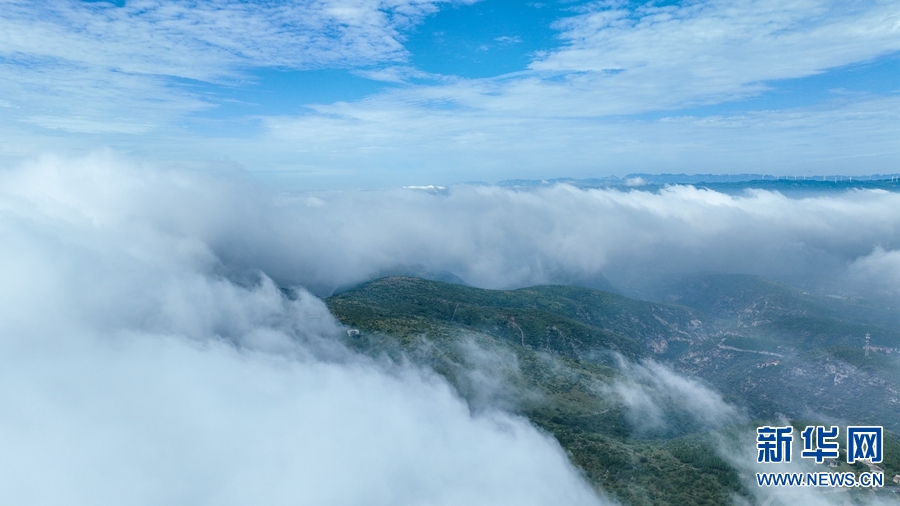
{"points": [[134, 372], [490, 236], [499, 237], [148, 357]]}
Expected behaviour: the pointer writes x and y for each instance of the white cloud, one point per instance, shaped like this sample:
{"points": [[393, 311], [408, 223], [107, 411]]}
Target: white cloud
{"points": [[490, 236], [132, 371], [878, 271], [704, 52], [126, 76], [652, 393], [498, 237], [208, 40], [399, 74], [620, 61], [98, 60], [568, 114], [408, 136], [506, 39]]}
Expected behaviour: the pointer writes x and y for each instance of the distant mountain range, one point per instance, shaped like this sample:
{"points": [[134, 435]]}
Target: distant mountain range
{"points": [[723, 182], [554, 354]]}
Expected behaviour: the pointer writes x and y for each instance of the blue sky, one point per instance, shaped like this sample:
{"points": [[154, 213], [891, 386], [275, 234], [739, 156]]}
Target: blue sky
{"points": [[373, 93]]}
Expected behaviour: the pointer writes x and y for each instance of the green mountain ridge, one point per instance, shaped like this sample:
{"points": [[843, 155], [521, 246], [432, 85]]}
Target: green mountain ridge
{"points": [[552, 354], [561, 319]]}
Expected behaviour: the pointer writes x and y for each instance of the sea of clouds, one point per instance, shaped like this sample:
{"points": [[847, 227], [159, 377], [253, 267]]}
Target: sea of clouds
{"points": [[148, 354], [132, 371]]}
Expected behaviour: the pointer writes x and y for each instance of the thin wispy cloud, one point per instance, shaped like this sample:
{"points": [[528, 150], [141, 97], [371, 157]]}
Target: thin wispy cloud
{"points": [[90, 60], [620, 61], [208, 40], [411, 142], [573, 106], [652, 393], [139, 76], [671, 56]]}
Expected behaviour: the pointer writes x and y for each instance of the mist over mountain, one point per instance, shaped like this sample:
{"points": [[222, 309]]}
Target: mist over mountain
{"points": [[839, 243], [656, 403], [166, 326], [135, 370]]}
